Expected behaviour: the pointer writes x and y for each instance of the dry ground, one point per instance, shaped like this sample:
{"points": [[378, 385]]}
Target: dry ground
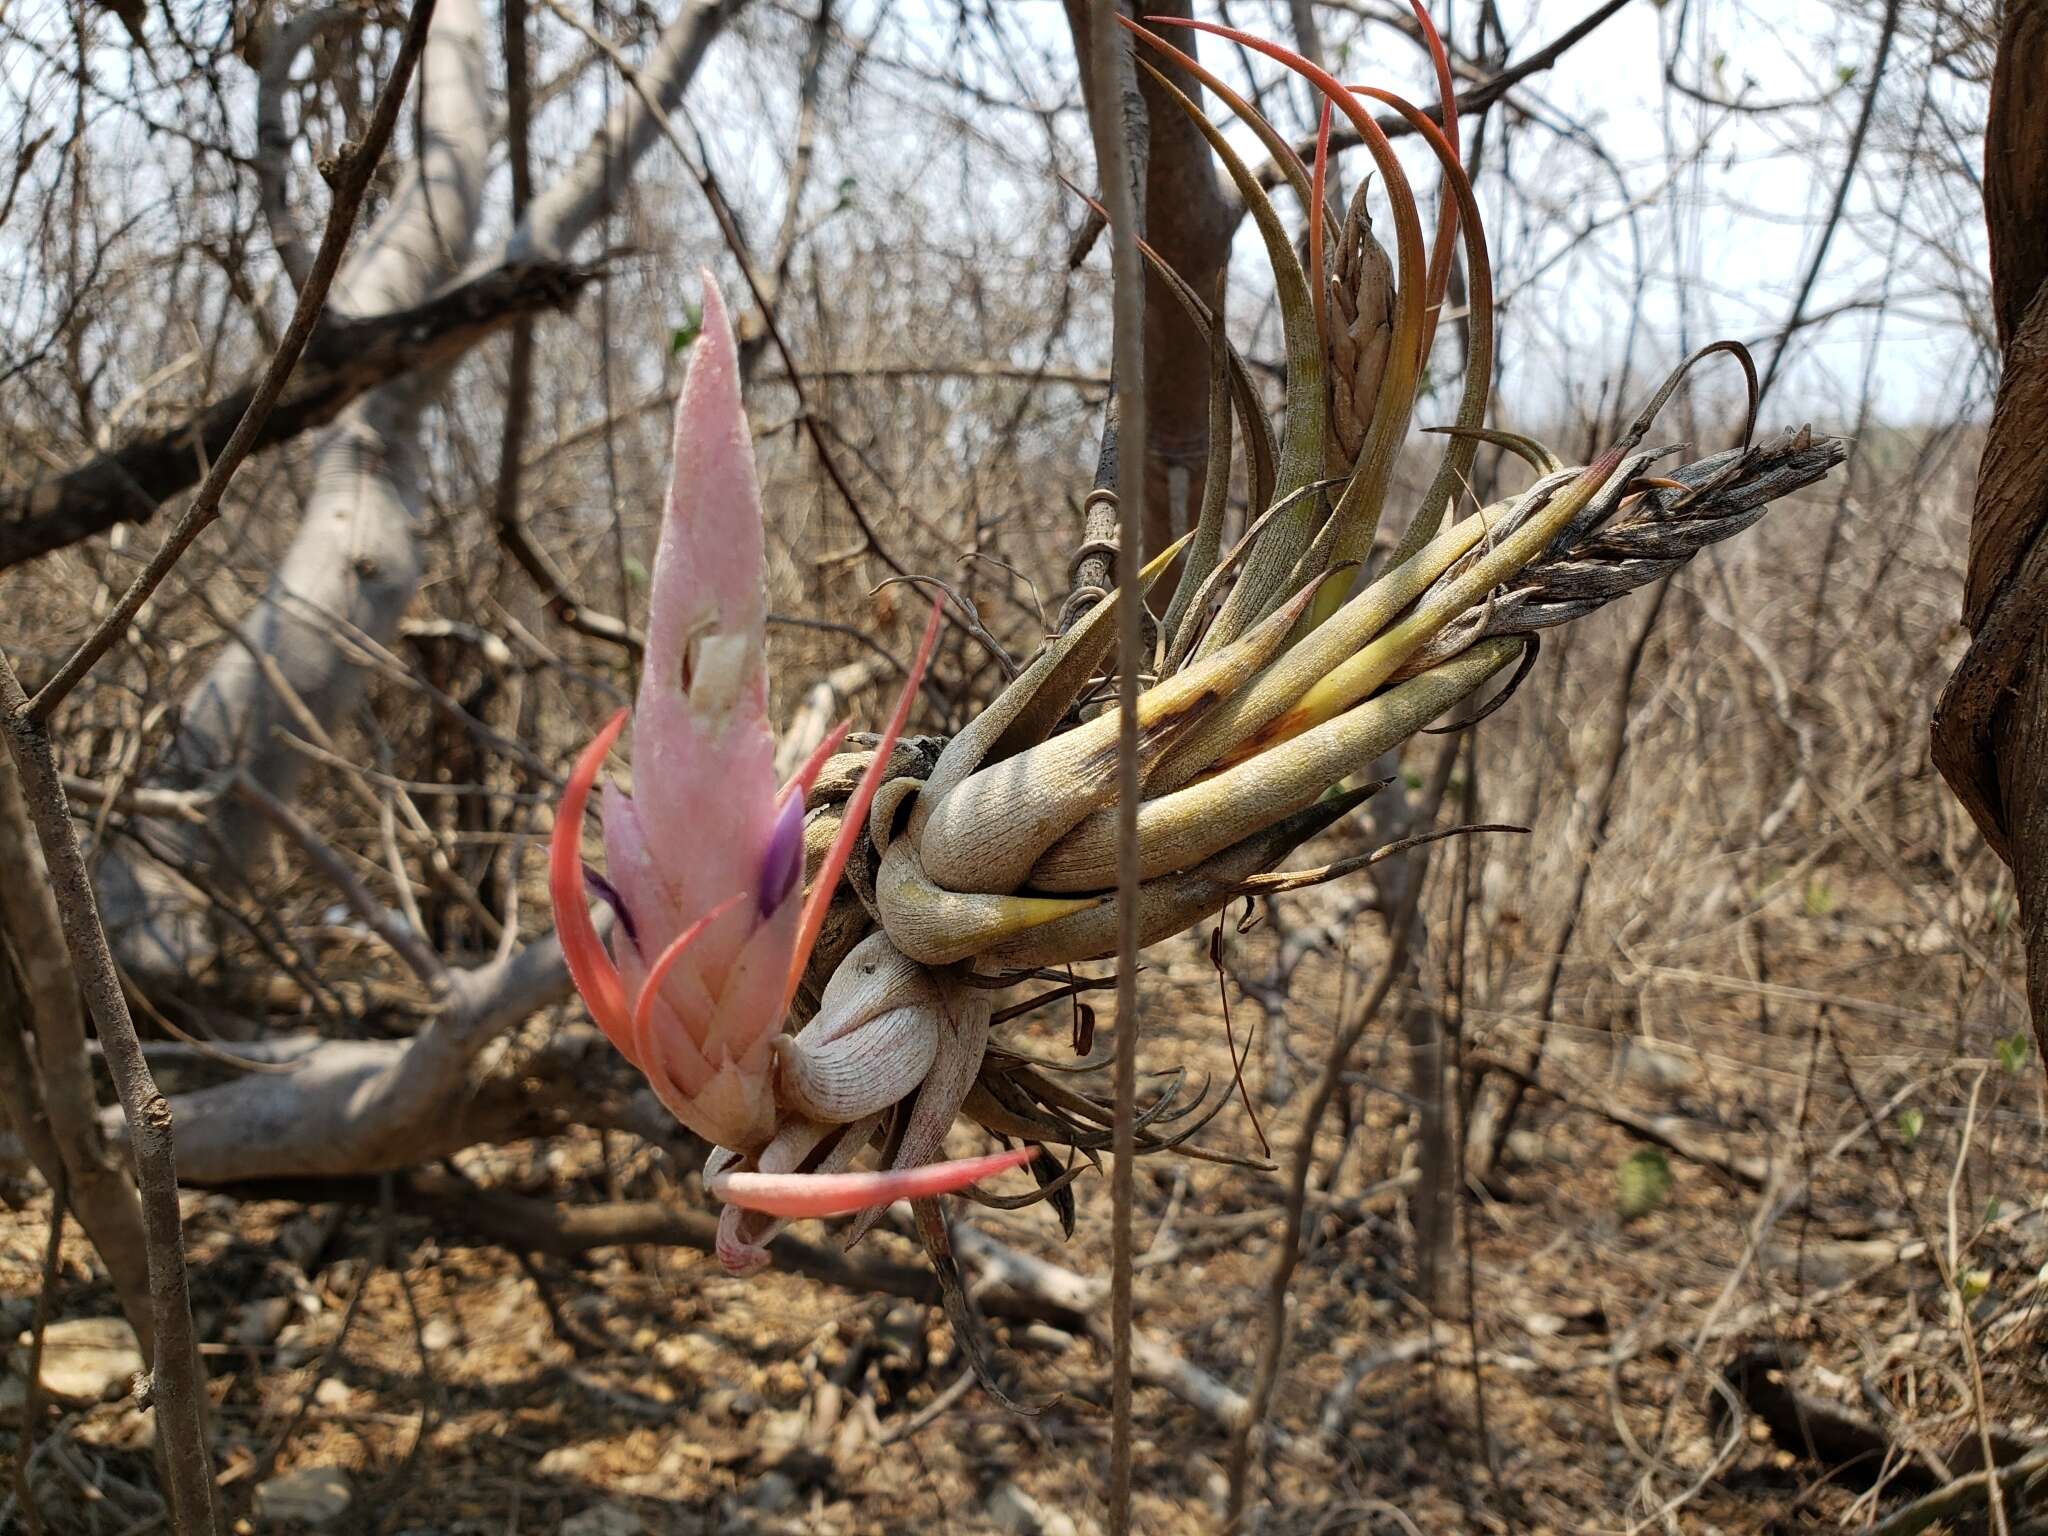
{"points": [[476, 1392], [1792, 970]]}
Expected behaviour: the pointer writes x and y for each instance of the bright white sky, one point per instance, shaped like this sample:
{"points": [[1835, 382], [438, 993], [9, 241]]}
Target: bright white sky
{"points": [[1733, 228], [1715, 245]]}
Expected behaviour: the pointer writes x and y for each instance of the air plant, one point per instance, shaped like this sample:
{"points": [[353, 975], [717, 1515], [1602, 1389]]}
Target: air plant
{"points": [[703, 866], [1286, 664]]}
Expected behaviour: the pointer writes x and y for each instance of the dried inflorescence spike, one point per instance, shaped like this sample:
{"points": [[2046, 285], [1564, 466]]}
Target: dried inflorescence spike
{"points": [[1361, 332]]}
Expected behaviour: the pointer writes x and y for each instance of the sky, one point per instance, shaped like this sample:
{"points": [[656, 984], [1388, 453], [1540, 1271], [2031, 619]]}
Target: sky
{"points": [[1727, 203], [1627, 221]]}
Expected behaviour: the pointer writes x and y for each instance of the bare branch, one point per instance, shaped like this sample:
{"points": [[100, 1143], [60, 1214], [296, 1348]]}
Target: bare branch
{"points": [[1851, 163], [1120, 170], [404, 940], [650, 91], [370, 1106], [273, 138], [345, 358], [1470, 103], [176, 1379], [1404, 935], [561, 214], [49, 1093]]}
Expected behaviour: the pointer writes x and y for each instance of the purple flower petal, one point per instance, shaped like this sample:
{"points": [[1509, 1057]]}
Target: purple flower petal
{"points": [[608, 893], [782, 865]]}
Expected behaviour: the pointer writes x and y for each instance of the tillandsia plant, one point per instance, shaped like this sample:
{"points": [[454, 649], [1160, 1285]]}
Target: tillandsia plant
{"points": [[797, 1032], [703, 873]]}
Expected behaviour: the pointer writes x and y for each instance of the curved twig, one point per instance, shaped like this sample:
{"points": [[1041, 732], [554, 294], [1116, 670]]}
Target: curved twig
{"points": [[273, 136]]}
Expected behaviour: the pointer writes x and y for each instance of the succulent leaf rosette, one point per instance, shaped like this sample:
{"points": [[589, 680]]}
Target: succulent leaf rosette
{"points": [[800, 1031]]}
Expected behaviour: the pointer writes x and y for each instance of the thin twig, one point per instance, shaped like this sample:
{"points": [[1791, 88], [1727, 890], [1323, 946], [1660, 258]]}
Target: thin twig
{"points": [[932, 1411], [1942, 1258], [402, 937], [1851, 160], [1994, 1494], [513, 535], [1119, 189], [1961, 1497], [1508, 1109], [175, 1378], [31, 1405], [142, 800], [758, 286], [1279, 882], [1470, 103], [1399, 930], [380, 1251]]}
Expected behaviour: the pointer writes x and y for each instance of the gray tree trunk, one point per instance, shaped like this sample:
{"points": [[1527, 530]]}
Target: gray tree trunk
{"points": [[353, 565]]}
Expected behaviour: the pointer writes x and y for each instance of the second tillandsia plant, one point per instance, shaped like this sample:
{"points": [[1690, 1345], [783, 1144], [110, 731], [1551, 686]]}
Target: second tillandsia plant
{"points": [[799, 1033]]}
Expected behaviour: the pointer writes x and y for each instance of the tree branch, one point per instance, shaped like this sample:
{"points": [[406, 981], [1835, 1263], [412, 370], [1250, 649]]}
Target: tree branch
{"points": [[50, 1094], [177, 1384], [1854, 158], [1990, 727], [1120, 146], [1471, 102], [354, 1107], [345, 357], [273, 138], [561, 214], [1012, 1285]]}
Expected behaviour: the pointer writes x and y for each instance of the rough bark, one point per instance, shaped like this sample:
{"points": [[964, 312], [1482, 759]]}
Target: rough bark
{"points": [[1189, 219], [50, 1095], [1397, 887], [176, 1382], [1991, 725]]}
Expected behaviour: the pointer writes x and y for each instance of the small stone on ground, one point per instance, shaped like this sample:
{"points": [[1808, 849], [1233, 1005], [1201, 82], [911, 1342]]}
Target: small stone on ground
{"points": [[309, 1495], [87, 1359], [604, 1520], [564, 1461], [1015, 1513], [772, 1492]]}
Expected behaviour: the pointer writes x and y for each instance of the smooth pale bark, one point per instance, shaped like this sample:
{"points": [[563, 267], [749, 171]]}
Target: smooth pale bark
{"points": [[566, 210], [352, 563], [368, 1106]]}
